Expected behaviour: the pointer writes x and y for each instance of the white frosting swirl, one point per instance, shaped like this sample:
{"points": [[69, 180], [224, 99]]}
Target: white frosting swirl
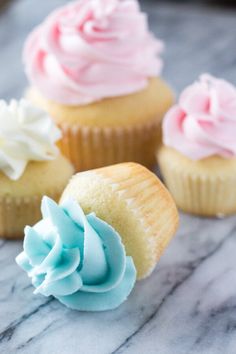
{"points": [[26, 134]]}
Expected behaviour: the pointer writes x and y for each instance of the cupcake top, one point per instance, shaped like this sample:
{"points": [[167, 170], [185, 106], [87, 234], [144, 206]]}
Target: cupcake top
{"points": [[203, 122], [92, 49], [78, 259], [26, 134]]}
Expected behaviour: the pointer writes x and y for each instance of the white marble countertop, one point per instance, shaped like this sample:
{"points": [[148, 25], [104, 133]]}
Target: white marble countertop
{"points": [[188, 305]]}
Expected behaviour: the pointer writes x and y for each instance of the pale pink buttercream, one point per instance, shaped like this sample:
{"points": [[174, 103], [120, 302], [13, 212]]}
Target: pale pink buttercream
{"points": [[92, 49], [203, 123]]}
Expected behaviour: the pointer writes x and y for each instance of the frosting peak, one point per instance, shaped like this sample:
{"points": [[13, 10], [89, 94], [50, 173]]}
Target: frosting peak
{"points": [[78, 259], [26, 134], [92, 49], [203, 123]]}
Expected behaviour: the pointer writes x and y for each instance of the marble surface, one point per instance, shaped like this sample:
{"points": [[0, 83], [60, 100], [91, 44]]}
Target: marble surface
{"points": [[188, 305]]}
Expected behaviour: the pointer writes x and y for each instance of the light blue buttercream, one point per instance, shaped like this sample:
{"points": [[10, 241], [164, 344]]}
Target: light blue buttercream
{"points": [[78, 259]]}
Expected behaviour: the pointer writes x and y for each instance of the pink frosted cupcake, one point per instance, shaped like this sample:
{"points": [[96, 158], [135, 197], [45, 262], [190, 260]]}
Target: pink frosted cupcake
{"points": [[95, 67], [198, 158]]}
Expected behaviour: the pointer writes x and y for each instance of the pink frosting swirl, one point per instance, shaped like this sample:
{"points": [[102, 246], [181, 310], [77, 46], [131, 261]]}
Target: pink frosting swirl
{"points": [[92, 49], [203, 123]]}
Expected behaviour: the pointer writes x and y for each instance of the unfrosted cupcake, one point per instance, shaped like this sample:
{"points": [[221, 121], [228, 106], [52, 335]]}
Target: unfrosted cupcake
{"points": [[89, 258], [95, 67], [198, 158], [30, 165]]}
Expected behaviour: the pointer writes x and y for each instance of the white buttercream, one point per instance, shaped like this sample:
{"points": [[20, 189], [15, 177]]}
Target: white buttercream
{"points": [[26, 134]]}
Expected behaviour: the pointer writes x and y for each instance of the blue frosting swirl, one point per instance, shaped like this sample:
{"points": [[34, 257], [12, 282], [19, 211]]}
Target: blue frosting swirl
{"points": [[78, 259]]}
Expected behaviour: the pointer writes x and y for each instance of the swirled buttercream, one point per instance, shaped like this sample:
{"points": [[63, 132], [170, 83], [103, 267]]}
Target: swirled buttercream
{"points": [[78, 259], [26, 134], [203, 123], [92, 49]]}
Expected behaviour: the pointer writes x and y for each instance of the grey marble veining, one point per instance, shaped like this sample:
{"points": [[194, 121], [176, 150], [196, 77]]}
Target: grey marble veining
{"points": [[188, 305]]}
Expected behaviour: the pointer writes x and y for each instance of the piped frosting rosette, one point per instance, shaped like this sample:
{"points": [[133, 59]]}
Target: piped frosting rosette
{"points": [[26, 134], [203, 122], [78, 259], [92, 49]]}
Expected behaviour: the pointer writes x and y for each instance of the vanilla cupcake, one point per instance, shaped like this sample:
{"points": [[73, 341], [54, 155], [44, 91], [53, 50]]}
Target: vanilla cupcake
{"points": [[134, 201], [198, 158], [95, 67], [89, 250], [30, 165]]}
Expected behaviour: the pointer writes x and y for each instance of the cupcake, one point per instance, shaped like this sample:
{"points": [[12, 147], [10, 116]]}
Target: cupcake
{"points": [[30, 165], [88, 251], [134, 201], [198, 157], [95, 67]]}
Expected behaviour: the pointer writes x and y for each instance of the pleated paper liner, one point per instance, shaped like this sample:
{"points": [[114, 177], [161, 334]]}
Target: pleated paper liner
{"points": [[93, 147], [131, 199], [17, 212], [206, 187]]}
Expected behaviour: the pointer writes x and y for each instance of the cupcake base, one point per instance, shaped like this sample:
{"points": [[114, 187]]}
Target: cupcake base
{"points": [[16, 213], [113, 130], [132, 200], [89, 147], [204, 187], [20, 201]]}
